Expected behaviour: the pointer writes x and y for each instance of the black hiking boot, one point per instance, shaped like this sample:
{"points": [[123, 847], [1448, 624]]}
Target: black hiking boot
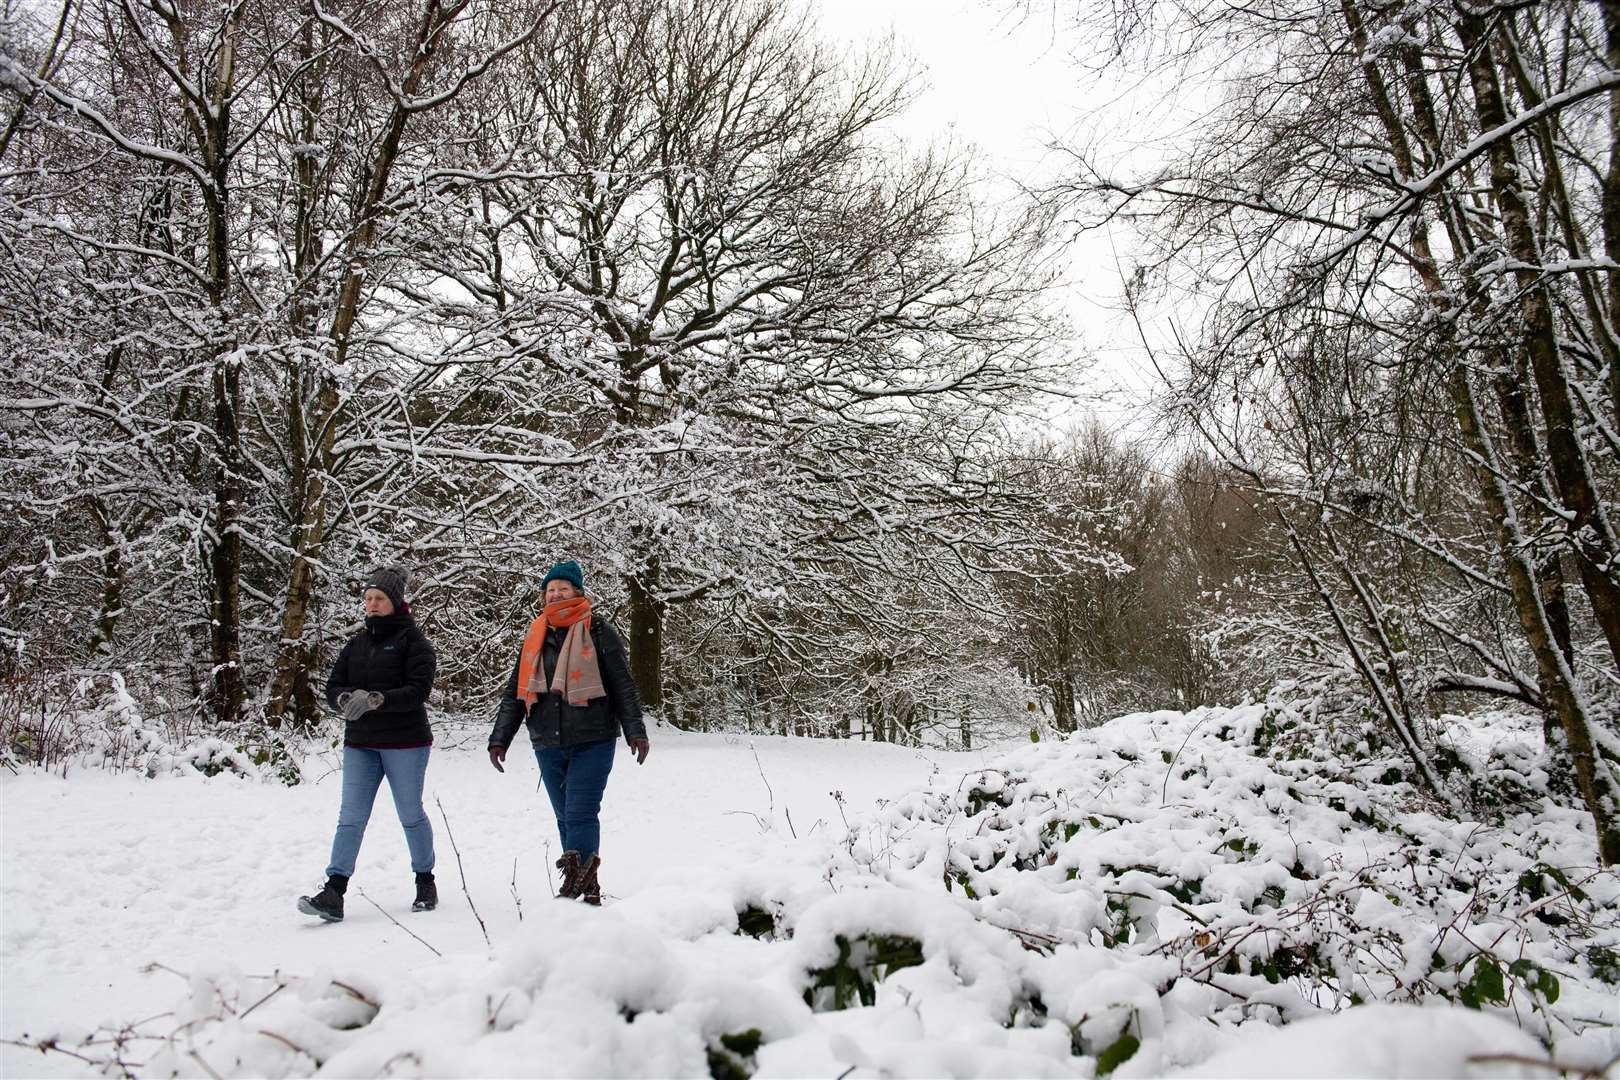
{"points": [[569, 865], [427, 893], [589, 890], [328, 903]]}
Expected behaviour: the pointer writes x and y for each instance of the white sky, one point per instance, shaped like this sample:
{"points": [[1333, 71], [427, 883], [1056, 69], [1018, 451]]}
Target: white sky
{"points": [[1009, 87], [990, 80]]}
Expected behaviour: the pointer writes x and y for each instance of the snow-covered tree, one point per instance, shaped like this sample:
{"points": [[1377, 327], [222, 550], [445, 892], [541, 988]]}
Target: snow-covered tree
{"points": [[475, 285], [1391, 241]]}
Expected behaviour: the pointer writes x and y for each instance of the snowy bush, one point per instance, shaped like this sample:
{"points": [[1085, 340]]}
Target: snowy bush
{"points": [[93, 721], [1238, 864]]}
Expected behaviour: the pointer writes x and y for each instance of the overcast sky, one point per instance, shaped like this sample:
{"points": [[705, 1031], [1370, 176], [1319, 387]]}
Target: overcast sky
{"points": [[990, 79], [1008, 86]]}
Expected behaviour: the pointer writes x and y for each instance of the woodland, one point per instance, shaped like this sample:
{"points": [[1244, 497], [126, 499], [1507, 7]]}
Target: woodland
{"points": [[290, 291]]}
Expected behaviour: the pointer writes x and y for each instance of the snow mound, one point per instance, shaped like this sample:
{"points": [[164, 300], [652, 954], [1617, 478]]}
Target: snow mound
{"points": [[1399, 1042]]}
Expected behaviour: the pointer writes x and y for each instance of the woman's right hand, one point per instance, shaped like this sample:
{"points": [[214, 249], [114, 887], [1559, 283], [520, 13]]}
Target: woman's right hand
{"points": [[497, 758]]}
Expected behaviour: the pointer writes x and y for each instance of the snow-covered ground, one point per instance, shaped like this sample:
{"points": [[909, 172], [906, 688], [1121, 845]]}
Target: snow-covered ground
{"points": [[103, 875], [1070, 941]]}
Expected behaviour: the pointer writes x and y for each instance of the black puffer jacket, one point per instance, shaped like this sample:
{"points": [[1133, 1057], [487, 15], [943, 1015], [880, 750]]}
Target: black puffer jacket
{"points": [[392, 656], [554, 722]]}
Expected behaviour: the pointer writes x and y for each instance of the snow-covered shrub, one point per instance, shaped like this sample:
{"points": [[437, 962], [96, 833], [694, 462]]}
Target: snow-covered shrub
{"points": [[1260, 862], [92, 720], [52, 720], [861, 964], [759, 921]]}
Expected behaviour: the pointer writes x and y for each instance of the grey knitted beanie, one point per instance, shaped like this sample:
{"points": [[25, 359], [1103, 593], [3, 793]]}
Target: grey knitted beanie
{"points": [[391, 580]]}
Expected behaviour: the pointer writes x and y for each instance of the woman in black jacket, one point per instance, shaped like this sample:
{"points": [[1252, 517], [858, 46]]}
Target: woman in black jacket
{"points": [[572, 686], [380, 684]]}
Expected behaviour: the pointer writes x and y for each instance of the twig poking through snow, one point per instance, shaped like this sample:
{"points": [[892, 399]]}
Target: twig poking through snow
{"points": [[399, 924], [462, 870], [279, 987], [357, 995], [516, 899], [769, 794], [209, 1069], [1164, 792]]}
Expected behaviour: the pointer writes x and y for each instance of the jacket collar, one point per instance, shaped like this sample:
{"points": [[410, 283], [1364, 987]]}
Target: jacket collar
{"points": [[379, 626]]}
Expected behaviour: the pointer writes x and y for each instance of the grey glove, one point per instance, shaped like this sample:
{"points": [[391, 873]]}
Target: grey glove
{"points": [[356, 703]]}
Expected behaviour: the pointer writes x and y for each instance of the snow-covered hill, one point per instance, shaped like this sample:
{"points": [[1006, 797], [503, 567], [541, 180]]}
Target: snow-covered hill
{"points": [[1169, 892]]}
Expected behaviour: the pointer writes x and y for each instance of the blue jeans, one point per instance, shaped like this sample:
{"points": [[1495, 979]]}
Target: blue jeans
{"points": [[575, 778], [363, 772]]}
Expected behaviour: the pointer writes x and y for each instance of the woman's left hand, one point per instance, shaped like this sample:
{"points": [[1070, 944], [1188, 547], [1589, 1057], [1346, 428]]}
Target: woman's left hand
{"points": [[641, 748]]}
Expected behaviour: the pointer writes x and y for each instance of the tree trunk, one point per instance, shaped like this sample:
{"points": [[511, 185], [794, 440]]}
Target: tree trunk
{"points": [[1611, 184], [646, 641], [1397, 718], [319, 427], [1597, 780], [1527, 457], [1063, 716], [112, 582], [289, 682], [225, 556], [112, 540], [1599, 785], [1590, 535]]}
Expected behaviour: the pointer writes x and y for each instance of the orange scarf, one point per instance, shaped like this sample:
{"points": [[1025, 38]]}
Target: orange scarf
{"points": [[577, 676]]}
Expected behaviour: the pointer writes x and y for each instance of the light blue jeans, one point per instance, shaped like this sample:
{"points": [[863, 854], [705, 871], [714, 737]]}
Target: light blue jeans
{"points": [[575, 778], [363, 772]]}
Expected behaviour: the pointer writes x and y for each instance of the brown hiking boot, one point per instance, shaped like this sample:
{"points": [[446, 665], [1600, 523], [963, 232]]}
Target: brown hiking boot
{"points": [[589, 889], [569, 865]]}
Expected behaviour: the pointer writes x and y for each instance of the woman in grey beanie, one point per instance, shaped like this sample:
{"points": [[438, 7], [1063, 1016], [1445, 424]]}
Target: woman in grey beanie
{"points": [[380, 684]]}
